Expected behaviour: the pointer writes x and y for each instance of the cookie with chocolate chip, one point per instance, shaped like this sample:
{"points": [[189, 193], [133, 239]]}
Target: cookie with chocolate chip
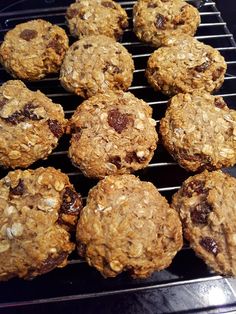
{"points": [[39, 210], [206, 204], [156, 20], [96, 17], [31, 125], [33, 49], [199, 131], [185, 65], [112, 133], [128, 226], [96, 64]]}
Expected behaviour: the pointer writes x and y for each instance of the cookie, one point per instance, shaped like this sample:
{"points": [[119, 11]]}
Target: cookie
{"points": [[199, 131], [156, 20], [39, 208], [96, 17], [96, 64], [128, 226], [112, 133], [33, 49], [207, 207], [31, 125], [184, 66]]}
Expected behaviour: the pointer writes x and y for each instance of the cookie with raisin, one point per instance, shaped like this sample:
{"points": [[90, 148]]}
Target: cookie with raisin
{"points": [[128, 226], [199, 131], [39, 211], [206, 205], [156, 20], [96, 17], [33, 49], [185, 65], [112, 133], [31, 125], [96, 64]]}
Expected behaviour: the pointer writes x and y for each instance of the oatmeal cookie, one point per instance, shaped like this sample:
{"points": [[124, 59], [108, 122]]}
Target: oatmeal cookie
{"points": [[185, 65], [199, 131], [207, 207], [156, 20], [96, 64], [39, 208], [96, 17], [112, 133], [33, 49], [128, 226], [31, 125]]}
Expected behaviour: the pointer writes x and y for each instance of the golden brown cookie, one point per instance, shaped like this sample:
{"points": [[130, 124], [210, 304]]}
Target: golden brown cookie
{"points": [[96, 64], [33, 49], [156, 20], [112, 133], [199, 131], [31, 125], [39, 208], [128, 226], [207, 207], [96, 17], [185, 65]]}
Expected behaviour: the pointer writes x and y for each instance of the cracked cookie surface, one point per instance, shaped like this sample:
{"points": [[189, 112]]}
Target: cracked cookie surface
{"points": [[96, 64], [112, 133], [31, 125], [206, 204], [33, 49], [96, 17], [39, 208], [185, 65], [156, 20], [128, 226], [199, 131]]}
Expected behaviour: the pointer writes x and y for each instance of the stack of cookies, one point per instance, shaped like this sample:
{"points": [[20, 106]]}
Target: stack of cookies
{"points": [[126, 224]]}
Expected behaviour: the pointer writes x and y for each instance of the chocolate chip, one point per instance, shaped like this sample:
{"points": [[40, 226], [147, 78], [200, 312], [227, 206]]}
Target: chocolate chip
{"points": [[28, 112], [132, 157], [217, 73], [19, 189], [151, 5], [199, 214], [195, 186], [115, 160], [28, 34], [15, 118], [202, 67], [111, 68], [160, 21], [219, 103], [210, 245], [71, 202], [117, 120], [3, 102], [55, 127], [108, 4], [56, 45], [71, 13], [86, 46]]}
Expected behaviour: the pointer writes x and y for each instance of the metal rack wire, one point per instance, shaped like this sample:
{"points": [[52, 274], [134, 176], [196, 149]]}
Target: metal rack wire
{"points": [[163, 171]]}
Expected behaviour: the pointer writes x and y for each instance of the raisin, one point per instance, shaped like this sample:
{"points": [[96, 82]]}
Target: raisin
{"points": [[132, 157], [199, 214], [115, 160], [3, 102], [217, 73], [202, 67], [117, 120], [15, 118], [19, 189], [81, 248], [56, 45], [112, 68], [71, 202], [29, 113], [50, 263], [160, 21], [108, 4], [28, 34], [219, 103], [151, 5], [86, 46], [195, 186], [210, 245], [71, 13], [55, 127], [123, 23]]}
